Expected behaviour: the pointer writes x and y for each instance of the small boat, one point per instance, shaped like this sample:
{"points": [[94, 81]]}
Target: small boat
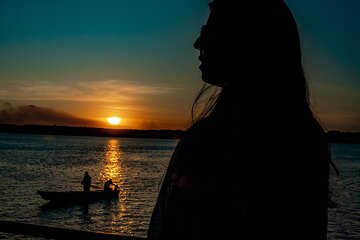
{"points": [[78, 196]]}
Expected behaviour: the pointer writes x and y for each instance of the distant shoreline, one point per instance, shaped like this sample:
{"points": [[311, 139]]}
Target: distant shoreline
{"points": [[343, 137], [90, 131], [333, 136]]}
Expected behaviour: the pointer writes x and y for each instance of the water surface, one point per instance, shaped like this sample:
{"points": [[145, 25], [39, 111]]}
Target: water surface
{"points": [[38, 162]]}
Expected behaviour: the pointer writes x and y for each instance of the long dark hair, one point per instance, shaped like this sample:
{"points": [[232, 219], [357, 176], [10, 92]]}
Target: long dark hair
{"points": [[281, 80]]}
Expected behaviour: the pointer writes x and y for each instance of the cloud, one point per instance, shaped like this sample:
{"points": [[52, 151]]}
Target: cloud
{"points": [[97, 91], [32, 114]]}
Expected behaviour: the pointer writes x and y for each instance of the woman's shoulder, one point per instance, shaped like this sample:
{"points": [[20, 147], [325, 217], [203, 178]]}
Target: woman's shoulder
{"points": [[194, 134], [225, 126], [199, 134], [204, 130], [200, 126]]}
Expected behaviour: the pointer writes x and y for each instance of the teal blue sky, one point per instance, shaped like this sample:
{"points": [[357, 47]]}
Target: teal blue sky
{"points": [[79, 62]]}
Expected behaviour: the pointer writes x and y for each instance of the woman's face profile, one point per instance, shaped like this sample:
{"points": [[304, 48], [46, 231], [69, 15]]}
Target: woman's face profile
{"points": [[211, 61]]}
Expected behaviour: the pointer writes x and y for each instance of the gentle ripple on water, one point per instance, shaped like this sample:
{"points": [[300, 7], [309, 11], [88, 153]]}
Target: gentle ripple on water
{"points": [[37, 162], [344, 221], [33, 162]]}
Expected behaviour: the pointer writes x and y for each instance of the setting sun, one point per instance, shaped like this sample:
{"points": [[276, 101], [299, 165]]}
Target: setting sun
{"points": [[114, 120]]}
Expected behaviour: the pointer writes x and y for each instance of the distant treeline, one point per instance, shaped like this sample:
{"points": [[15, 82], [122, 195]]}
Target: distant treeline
{"points": [[87, 131], [343, 137], [333, 136]]}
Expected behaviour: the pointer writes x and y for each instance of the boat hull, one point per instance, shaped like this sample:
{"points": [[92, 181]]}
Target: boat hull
{"points": [[78, 196]]}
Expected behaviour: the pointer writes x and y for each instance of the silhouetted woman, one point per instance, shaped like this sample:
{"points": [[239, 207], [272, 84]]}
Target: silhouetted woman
{"points": [[255, 163]]}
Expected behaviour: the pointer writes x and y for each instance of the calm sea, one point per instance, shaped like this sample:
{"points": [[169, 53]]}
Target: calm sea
{"points": [[37, 162]]}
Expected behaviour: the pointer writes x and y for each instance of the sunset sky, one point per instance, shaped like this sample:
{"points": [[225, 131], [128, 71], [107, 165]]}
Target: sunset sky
{"points": [[74, 62]]}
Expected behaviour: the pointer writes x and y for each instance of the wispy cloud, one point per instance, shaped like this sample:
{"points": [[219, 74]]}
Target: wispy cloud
{"points": [[99, 91]]}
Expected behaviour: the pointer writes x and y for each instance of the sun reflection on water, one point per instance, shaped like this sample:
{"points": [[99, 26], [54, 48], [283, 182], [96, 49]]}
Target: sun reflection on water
{"points": [[111, 167]]}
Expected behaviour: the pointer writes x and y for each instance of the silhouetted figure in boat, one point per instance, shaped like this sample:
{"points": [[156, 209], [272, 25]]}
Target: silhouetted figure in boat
{"points": [[107, 186], [255, 162], [86, 182]]}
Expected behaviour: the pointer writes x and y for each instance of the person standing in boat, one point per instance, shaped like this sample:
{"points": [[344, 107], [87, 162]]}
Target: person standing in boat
{"points": [[86, 182]]}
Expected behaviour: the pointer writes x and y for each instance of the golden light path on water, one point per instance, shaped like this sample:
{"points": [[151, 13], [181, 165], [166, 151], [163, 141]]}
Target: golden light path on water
{"points": [[111, 169], [111, 162]]}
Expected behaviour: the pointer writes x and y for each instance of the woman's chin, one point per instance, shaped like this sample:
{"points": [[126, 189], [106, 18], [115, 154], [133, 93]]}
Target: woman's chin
{"points": [[211, 81]]}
